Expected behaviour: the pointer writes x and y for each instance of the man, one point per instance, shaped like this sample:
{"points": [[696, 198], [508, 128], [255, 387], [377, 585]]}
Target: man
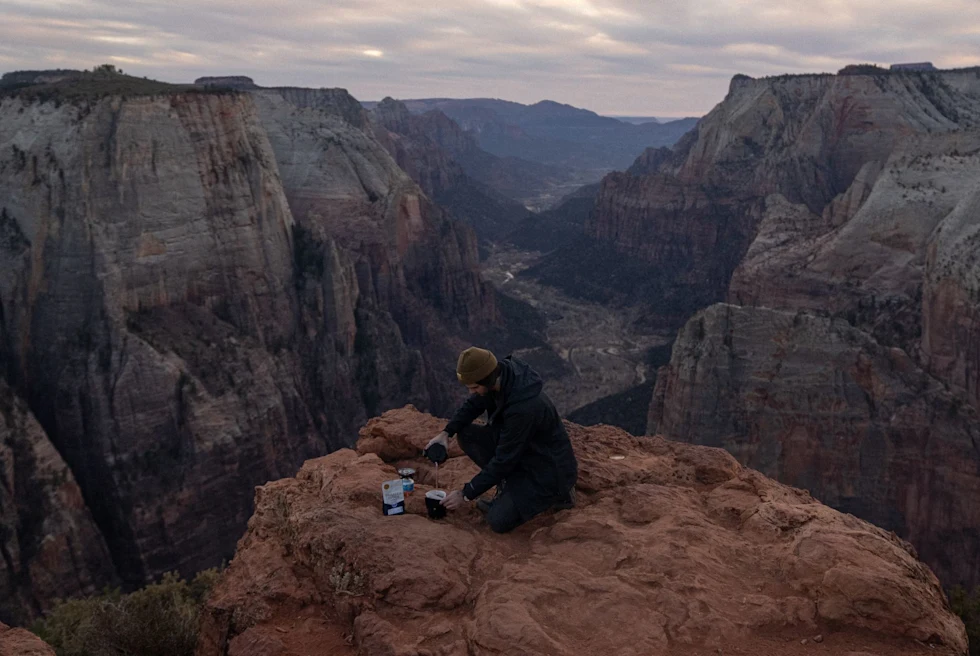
{"points": [[523, 449]]}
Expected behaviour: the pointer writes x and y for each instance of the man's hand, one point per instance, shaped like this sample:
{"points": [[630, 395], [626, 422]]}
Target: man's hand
{"points": [[442, 438], [454, 500]]}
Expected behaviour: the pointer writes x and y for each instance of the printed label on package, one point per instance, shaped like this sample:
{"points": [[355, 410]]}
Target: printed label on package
{"points": [[393, 497]]}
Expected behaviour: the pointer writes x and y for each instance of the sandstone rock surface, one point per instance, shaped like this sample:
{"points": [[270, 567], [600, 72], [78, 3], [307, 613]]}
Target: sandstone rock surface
{"points": [[818, 404], [867, 256], [20, 642], [672, 549]]}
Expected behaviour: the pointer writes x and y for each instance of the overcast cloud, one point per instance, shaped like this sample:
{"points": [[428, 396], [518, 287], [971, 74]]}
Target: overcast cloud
{"points": [[662, 57]]}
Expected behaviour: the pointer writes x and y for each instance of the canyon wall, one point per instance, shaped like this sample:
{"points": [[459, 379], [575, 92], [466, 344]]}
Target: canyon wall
{"points": [[818, 404], [50, 545], [780, 161], [426, 147], [201, 290]]}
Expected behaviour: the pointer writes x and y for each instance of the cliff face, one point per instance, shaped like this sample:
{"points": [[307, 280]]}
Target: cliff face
{"points": [[415, 273], [671, 549], [136, 228], [786, 160], [200, 291], [424, 147], [866, 256], [818, 404], [51, 547], [330, 102], [411, 142], [951, 296], [894, 253]]}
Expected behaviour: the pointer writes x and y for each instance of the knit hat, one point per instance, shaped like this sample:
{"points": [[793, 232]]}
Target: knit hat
{"points": [[474, 365]]}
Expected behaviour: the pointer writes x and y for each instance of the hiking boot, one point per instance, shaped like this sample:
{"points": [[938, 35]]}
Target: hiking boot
{"points": [[566, 502], [483, 505]]}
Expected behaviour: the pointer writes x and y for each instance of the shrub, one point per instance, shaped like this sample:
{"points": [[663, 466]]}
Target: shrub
{"points": [[346, 580], [159, 620], [967, 606]]}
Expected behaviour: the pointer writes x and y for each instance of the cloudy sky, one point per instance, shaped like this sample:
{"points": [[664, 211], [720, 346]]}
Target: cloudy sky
{"points": [[649, 58]]}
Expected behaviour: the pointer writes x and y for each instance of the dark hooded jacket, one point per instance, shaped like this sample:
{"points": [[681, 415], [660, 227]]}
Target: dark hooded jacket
{"points": [[534, 454]]}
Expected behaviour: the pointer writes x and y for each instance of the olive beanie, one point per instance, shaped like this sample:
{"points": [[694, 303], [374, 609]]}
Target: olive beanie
{"points": [[474, 365]]}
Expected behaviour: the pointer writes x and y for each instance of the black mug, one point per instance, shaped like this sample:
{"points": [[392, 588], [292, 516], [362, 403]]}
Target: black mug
{"points": [[433, 503]]}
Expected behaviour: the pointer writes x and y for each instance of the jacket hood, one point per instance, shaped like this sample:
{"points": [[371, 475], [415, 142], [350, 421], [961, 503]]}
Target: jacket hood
{"points": [[518, 381]]}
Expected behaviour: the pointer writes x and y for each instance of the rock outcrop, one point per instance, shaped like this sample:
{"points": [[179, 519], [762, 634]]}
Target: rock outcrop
{"points": [[200, 291], [672, 548], [818, 404], [20, 642], [50, 545]]}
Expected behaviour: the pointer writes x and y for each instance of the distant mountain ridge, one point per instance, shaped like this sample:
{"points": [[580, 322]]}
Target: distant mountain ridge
{"points": [[554, 133]]}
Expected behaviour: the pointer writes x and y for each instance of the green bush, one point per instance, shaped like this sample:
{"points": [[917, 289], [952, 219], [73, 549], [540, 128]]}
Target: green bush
{"points": [[159, 620], [967, 606]]}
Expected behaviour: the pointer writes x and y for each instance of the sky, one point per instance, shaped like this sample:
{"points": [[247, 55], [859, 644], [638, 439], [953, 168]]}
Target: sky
{"points": [[616, 57]]}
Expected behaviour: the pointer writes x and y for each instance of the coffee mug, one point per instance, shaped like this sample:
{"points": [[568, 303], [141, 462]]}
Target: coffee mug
{"points": [[433, 503]]}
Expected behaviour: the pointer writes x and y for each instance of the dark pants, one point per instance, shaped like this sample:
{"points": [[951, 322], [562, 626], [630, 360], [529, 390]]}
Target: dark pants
{"points": [[479, 443]]}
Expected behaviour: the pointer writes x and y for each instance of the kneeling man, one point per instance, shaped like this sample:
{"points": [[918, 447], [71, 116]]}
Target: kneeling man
{"points": [[523, 449]]}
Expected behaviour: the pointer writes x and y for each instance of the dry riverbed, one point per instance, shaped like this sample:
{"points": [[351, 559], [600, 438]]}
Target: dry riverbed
{"points": [[605, 355]]}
